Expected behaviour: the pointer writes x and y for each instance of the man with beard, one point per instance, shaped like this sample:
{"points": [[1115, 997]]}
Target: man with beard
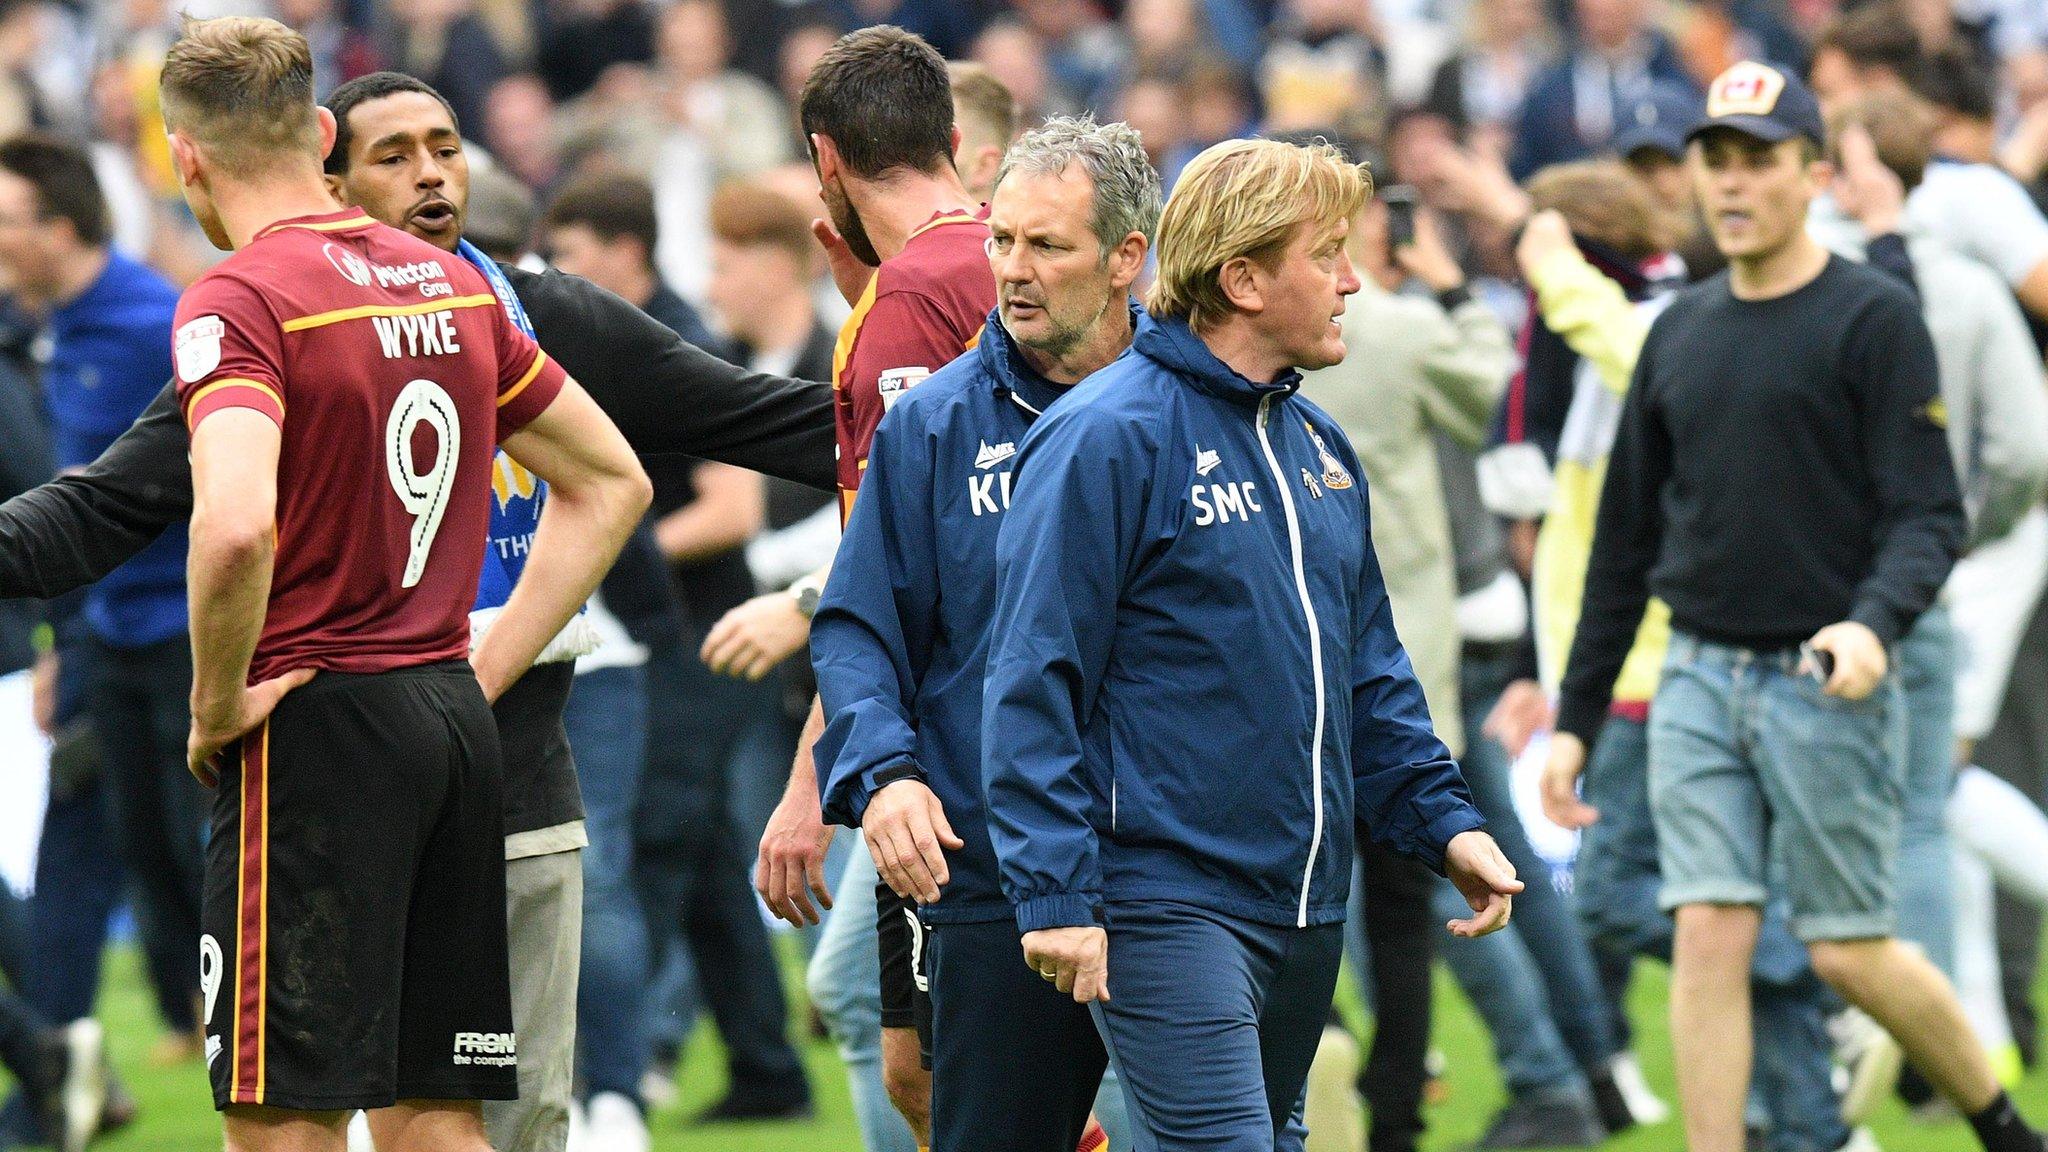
{"points": [[878, 113], [398, 154], [902, 631]]}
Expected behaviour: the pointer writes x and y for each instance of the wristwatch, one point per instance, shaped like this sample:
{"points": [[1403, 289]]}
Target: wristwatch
{"points": [[806, 592]]}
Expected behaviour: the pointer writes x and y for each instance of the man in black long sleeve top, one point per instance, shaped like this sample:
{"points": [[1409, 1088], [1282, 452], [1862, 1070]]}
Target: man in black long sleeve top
{"points": [[398, 156], [1780, 479]]}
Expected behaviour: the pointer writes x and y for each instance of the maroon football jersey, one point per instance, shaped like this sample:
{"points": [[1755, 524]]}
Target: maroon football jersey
{"points": [[392, 371], [923, 307]]}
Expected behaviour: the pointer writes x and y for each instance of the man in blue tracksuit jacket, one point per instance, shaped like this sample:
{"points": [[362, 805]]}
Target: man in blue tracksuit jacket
{"points": [[1195, 693], [901, 634]]}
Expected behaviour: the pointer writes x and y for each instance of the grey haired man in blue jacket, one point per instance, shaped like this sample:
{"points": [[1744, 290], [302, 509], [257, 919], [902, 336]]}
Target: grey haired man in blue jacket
{"points": [[1195, 701], [901, 634]]}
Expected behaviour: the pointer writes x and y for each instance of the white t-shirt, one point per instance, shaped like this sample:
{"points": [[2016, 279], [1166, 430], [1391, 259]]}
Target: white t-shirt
{"points": [[1982, 212]]}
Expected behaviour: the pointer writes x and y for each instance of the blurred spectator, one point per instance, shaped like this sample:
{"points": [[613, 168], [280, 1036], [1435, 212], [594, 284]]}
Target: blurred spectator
{"points": [[582, 39], [1163, 34], [1015, 56], [340, 52], [1652, 144], [950, 25], [20, 38], [694, 122], [987, 119], [520, 129], [1715, 34], [109, 325], [603, 229], [763, 262], [1215, 105], [446, 44], [1576, 106], [1977, 208], [499, 218], [1480, 89], [1324, 67], [686, 856], [1082, 52], [1151, 104]]}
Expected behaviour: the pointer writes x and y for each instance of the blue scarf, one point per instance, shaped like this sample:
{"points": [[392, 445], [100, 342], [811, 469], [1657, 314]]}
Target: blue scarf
{"points": [[515, 510]]}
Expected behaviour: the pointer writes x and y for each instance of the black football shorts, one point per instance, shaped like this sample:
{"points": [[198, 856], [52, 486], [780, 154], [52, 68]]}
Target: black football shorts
{"points": [[906, 992], [354, 951]]}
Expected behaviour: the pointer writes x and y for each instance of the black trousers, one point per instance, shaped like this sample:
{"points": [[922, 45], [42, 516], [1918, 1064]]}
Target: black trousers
{"points": [[1401, 933], [692, 869]]}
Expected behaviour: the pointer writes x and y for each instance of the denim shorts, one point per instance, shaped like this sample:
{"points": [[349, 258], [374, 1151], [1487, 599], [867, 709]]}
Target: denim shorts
{"points": [[1756, 773]]}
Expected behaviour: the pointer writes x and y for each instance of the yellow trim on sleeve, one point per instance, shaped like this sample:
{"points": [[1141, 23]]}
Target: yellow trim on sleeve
{"points": [[232, 382], [322, 319], [540, 360]]}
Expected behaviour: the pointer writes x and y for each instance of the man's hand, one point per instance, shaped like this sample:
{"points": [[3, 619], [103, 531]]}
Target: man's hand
{"points": [[1864, 188], [749, 641], [1076, 960], [849, 272], [214, 728], [1475, 185], [791, 868], [1545, 235], [1521, 712], [1427, 258], [1474, 863], [908, 836], [1860, 659], [1561, 772]]}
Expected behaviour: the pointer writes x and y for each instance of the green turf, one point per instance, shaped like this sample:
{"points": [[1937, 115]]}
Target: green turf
{"points": [[176, 1118]]}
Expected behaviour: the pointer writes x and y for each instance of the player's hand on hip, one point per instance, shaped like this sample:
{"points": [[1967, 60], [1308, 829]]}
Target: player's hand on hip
{"points": [[214, 728], [1475, 864], [791, 868], [1860, 659], [1560, 787], [749, 641], [909, 837], [1076, 960]]}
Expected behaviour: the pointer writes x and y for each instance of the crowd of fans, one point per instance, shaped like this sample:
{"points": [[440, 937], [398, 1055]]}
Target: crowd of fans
{"points": [[1529, 153]]}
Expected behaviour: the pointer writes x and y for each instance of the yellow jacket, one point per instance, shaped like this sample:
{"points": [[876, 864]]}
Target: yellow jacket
{"points": [[1596, 319]]}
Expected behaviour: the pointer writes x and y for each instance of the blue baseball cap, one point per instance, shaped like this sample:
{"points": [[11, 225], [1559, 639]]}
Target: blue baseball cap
{"points": [[1659, 120], [1767, 103]]}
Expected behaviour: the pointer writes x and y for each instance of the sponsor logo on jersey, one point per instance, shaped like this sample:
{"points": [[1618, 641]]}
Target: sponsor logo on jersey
{"points": [[893, 383], [989, 457], [197, 347], [1206, 461], [353, 268], [487, 1049]]}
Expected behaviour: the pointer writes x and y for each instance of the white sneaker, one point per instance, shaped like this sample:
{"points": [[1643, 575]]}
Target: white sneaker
{"points": [[616, 1125], [1643, 1102], [359, 1133], [1861, 1140], [658, 1088], [1872, 1060]]}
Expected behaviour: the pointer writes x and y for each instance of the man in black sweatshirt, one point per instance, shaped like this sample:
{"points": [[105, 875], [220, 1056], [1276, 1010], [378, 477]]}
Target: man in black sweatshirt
{"points": [[397, 154], [1781, 479]]}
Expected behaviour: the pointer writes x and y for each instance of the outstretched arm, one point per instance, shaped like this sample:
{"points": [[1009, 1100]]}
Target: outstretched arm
{"points": [[75, 529]]}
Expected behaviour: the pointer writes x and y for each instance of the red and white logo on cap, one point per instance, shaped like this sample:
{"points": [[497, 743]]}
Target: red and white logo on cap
{"points": [[1747, 89]]}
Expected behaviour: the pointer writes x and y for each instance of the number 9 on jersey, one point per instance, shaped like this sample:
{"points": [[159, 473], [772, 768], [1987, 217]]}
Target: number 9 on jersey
{"points": [[423, 494]]}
